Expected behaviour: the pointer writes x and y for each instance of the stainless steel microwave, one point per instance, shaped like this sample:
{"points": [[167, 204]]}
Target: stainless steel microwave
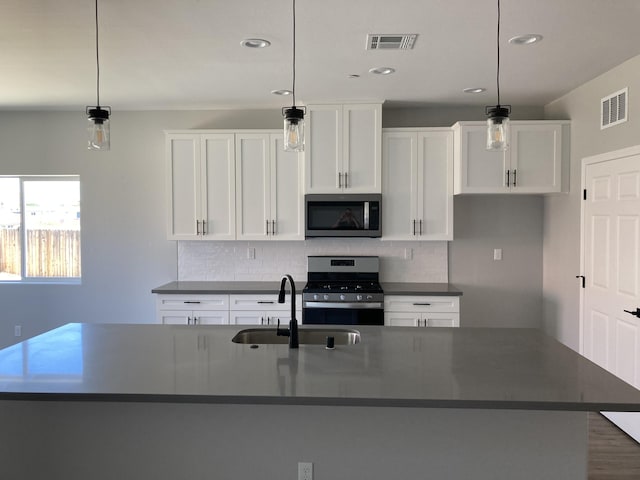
{"points": [[343, 215]]}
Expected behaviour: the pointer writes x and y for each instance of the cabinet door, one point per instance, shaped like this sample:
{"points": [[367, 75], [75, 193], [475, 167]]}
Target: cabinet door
{"points": [[247, 317], [323, 149], [536, 152], [287, 200], [478, 170], [252, 186], [401, 319], [183, 185], [436, 319], [218, 186], [400, 185], [435, 185], [362, 148], [175, 317], [214, 317]]}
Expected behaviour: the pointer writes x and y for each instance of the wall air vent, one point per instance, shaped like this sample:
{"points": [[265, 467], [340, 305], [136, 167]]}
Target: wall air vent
{"points": [[401, 41], [613, 108]]}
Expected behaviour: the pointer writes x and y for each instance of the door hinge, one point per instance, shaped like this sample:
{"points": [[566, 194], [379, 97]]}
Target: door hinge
{"points": [[584, 194], [583, 280]]}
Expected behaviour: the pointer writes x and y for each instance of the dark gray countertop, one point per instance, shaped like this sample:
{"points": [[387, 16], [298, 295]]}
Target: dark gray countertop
{"points": [[207, 288], [390, 367], [402, 288], [222, 288]]}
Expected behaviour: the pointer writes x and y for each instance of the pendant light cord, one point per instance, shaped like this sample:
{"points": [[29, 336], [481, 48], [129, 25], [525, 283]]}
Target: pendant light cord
{"points": [[97, 61], [293, 88], [498, 44]]}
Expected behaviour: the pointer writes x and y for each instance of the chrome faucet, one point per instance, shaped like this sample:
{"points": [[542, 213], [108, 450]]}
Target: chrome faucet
{"points": [[292, 333]]}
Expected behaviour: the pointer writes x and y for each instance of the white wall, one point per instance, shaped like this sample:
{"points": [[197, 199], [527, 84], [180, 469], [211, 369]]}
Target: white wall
{"points": [[561, 238]]}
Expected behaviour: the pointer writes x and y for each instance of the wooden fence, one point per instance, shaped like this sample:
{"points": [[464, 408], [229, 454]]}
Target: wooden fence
{"points": [[50, 253]]}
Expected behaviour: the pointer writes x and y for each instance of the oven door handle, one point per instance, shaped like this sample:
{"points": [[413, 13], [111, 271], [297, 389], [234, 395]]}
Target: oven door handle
{"points": [[343, 305]]}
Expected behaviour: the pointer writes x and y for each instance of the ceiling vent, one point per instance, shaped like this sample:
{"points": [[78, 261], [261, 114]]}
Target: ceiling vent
{"points": [[391, 42], [614, 109]]}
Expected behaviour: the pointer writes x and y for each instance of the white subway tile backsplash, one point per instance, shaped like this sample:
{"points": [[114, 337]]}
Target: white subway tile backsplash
{"points": [[228, 261]]}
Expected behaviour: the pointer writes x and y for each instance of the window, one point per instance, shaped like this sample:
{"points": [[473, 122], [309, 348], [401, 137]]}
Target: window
{"points": [[40, 229]]}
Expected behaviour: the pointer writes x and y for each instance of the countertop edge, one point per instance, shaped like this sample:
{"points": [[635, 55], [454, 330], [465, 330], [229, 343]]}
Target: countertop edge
{"points": [[321, 401]]}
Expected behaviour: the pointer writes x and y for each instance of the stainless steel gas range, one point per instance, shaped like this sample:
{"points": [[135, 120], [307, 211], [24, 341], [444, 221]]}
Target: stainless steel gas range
{"points": [[343, 290]]}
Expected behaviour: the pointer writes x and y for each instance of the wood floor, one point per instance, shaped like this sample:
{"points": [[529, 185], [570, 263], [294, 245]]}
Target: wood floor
{"points": [[612, 454]]}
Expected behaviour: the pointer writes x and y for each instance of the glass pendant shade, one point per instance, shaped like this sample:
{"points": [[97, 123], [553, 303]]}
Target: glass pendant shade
{"points": [[498, 128], [98, 129], [293, 129]]}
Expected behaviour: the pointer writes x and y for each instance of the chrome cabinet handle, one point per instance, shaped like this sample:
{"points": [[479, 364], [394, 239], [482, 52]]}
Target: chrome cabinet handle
{"points": [[339, 179], [414, 227], [267, 226], [346, 179], [188, 320], [507, 178], [191, 301], [514, 177], [197, 227], [421, 304], [420, 226], [266, 301], [203, 227], [195, 320], [273, 227]]}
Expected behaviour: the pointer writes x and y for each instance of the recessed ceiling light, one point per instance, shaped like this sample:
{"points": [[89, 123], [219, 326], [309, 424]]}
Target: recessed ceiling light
{"points": [[255, 43], [382, 70], [527, 39], [281, 92], [474, 90]]}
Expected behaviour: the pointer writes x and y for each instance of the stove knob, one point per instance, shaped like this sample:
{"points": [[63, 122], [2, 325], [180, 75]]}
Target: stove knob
{"points": [[316, 296], [358, 297], [342, 297], [325, 296], [369, 297]]}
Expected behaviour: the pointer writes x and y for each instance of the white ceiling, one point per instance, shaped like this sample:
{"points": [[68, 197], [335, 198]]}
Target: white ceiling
{"points": [[177, 54]]}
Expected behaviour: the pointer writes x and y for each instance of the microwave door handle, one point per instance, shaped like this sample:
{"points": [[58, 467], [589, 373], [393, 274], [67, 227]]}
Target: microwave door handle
{"points": [[366, 215]]}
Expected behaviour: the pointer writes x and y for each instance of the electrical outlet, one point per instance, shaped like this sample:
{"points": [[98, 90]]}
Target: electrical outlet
{"points": [[305, 471], [17, 330], [408, 253], [497, 254], [251, 253]]}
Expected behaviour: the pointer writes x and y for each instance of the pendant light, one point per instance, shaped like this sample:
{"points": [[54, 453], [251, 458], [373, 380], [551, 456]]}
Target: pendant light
{"points": [[498, 115], [293, 116], [98, 117]]}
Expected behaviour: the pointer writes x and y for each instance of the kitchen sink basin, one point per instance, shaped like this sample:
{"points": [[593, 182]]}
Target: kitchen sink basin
{"points": [[308, 336]]}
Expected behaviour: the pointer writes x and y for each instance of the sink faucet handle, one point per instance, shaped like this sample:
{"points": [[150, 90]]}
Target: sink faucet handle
{"points": [[281, 333]]}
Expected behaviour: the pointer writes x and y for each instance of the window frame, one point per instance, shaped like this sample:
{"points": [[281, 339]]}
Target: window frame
{"points": [[24, 279]]}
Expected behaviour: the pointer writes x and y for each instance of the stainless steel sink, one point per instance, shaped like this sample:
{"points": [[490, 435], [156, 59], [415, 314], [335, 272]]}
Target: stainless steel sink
{"points": [[309, 336]]}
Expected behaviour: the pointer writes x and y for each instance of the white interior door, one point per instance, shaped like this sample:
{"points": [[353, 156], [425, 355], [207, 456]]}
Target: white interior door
{"points": [[611, 258]]}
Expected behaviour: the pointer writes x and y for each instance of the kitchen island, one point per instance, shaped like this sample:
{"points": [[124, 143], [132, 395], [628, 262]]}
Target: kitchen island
{"points": [[161, 401]]}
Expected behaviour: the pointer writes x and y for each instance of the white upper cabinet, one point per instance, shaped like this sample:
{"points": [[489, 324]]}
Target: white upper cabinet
{"points": [[201, 186], [417, 184], [343, 151], [532, 164], [269, 196]]}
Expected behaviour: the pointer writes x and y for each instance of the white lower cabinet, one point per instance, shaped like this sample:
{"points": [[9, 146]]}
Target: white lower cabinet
{"points": [[262, 310], [421, 311], [193, 309]]}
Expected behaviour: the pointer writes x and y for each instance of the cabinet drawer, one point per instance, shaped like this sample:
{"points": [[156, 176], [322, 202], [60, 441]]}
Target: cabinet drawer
{"points": [[262, 302], [402, 303], [193, 302]]}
